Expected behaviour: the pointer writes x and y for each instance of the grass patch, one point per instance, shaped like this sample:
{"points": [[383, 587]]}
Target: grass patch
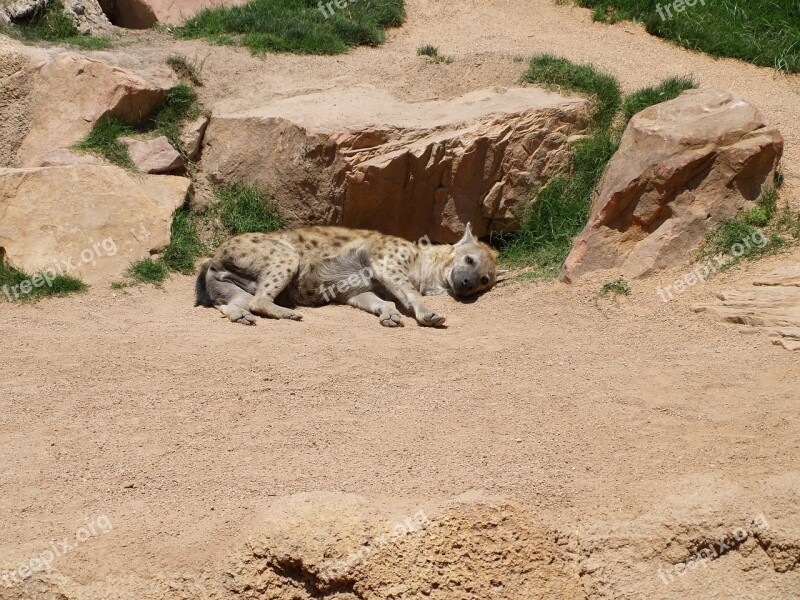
{"points": [[763, 32], [103, 141], [618, 287], [551, 71], [185, 69], [760, 231], [18, 285], [666, 90], [52, 25], [147, 271], [245, 209], [299, 26], [179, 106], [432, 52]]}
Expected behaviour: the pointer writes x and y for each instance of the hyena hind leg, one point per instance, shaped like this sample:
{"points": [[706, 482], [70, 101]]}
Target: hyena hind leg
{"points": [[271, 283], [386, 311]]}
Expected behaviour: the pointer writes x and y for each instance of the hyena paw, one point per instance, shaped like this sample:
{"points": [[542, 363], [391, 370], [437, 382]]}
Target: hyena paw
{"points": [[239, 315], [431, 319], [391, 317]]}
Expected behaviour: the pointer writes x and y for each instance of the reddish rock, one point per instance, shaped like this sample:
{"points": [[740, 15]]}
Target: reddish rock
{"points": [[683, 167]]}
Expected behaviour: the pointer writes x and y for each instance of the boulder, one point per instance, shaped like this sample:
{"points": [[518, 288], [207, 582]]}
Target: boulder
{"points": [[359, 157], [683, 167], [85, 220], [88, 17], [71, 92], [772, 307], [142, 14], [153, 156]]}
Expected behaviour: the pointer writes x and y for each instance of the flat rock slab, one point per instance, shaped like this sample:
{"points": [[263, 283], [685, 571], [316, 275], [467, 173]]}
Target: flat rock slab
{"points": [[772, 306], [71, 92], [682, 168], [87, 221], [357, 156]]}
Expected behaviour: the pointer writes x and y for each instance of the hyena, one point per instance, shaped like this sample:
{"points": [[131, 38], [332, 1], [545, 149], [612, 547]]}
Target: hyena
{"points": [[268, 274]]}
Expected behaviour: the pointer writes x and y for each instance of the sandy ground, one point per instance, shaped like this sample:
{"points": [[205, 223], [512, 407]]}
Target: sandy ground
{"points": [[178, 425]]}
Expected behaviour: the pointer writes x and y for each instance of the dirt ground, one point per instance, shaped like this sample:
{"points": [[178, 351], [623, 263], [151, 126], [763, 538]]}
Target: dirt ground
{"points": [[178, 426]]}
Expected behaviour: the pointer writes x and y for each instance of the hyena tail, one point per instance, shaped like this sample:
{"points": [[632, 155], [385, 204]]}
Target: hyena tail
{"points": [[202, 297]]}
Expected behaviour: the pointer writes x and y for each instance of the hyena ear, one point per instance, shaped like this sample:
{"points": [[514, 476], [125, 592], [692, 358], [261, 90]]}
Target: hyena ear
{"points": [[467, 237]]}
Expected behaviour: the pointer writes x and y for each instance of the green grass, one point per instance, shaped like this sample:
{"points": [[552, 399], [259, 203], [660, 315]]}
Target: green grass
{"points": [[297, 26], [432, 52], [244, 209], [179, 106], [666, 90], [551, 71], [763, 32], [52, 25], [103, 141], [147, 271], [16, 284], [760, 231], [618, 287]]}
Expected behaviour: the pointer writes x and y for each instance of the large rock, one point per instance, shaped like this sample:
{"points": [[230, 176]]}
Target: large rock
{"points": [[683, 167], [772, 307], [88, 221], [16, 86], [359, 157], [71, 92], [141, 14]]}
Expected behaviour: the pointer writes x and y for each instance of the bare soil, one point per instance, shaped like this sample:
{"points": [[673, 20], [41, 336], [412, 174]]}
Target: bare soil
{"points": [[595, 413]]}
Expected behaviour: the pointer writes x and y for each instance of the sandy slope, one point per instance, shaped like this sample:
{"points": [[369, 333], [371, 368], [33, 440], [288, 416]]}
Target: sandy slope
{"points": [[179, 426]]}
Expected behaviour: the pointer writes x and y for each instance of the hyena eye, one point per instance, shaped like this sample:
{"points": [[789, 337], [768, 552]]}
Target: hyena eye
{"points": [[484, 280], [469, 260]]}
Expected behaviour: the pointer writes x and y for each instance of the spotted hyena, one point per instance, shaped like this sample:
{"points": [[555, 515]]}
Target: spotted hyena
{"points": [[268, 274]]}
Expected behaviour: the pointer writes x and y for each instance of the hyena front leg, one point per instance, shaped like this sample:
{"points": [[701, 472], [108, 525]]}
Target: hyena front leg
{"points": [[386, 311], [396, 282], [271, 281]]}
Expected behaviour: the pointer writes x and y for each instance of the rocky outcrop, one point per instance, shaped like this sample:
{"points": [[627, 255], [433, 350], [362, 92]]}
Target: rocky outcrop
{"points": [[153, 156], [71, 92], [87, 15], [359, 157], [772, 306], [141, 14], [683, 167], [85, 220]]}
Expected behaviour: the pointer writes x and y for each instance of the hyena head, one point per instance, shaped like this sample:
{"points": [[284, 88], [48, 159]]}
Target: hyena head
{"points": [[474, 266]]}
